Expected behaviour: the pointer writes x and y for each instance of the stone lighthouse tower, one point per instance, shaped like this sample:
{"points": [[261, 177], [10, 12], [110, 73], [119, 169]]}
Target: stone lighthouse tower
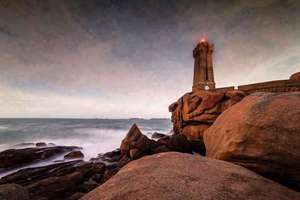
{"points": [[203, 67]]}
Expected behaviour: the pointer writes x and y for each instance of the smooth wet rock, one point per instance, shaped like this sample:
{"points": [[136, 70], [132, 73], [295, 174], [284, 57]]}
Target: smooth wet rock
{"points": [[58, 181], [34, 174], [157, 135], [15, 157], [177, 176], [13, 192], [262, 133], [74, 155], [113, 156], [58, 187], [109, 157]]}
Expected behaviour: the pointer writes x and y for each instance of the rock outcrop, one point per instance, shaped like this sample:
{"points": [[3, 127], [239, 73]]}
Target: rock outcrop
{"points": [[196, 111], [15, 157], [261, 133], [177, 176], [67, 180], [136, 145], [58, 181]]}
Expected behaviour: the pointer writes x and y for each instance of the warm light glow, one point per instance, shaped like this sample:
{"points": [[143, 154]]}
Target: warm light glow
{"points": [[203, 39]]}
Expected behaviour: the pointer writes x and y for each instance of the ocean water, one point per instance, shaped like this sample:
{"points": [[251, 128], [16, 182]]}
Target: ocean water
{"points": [[93, 135]]}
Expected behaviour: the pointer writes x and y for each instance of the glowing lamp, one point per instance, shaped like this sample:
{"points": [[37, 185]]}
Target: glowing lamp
{"points": [[203, 40]]}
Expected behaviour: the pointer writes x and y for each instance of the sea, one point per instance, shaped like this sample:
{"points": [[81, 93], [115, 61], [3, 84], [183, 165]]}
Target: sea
{"points": [[93, 135]]}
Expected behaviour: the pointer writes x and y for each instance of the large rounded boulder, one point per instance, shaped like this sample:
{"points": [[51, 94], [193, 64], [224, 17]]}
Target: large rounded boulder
{"points": [[262, 133], [179, 176]]}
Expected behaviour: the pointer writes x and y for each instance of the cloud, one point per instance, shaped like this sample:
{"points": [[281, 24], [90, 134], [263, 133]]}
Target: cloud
{"points": [[85, 58], [19, 103]]}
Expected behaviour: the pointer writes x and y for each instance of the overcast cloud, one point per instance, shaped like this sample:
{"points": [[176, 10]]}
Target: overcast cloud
{"points": [[131, 58]]}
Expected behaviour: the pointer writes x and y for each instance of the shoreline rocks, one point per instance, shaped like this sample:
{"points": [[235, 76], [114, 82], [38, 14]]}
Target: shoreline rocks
{"points": [[259, 132], [178, 176], [13, 158], [59, 181], [136, 145], [63, 179]]}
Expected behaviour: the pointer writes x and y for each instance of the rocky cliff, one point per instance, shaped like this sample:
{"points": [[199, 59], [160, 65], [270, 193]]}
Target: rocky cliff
{"points": [[195, 112]]}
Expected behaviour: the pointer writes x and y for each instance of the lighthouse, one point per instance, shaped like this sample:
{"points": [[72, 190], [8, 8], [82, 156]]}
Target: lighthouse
{"points": [[203, 66]]}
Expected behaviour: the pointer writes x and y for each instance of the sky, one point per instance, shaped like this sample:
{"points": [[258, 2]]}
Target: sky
{"points": [[133, 58]]}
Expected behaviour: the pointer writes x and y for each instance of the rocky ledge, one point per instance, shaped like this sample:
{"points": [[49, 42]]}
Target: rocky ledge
{"points": [[14, 158], [58, 181], [67, 177]]}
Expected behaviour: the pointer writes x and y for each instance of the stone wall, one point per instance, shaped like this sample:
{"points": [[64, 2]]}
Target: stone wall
{"points": [[272, 86], [289, 85]]}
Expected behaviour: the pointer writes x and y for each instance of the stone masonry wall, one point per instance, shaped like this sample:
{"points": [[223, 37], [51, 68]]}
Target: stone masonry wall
{"points": [[288, 85]]}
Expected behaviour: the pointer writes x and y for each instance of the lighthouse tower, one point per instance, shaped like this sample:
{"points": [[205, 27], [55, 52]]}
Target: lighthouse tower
{"points": [[203, 67]]}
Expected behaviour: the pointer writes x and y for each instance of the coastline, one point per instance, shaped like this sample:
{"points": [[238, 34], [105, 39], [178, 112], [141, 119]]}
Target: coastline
{"points": [[85, 179]]}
